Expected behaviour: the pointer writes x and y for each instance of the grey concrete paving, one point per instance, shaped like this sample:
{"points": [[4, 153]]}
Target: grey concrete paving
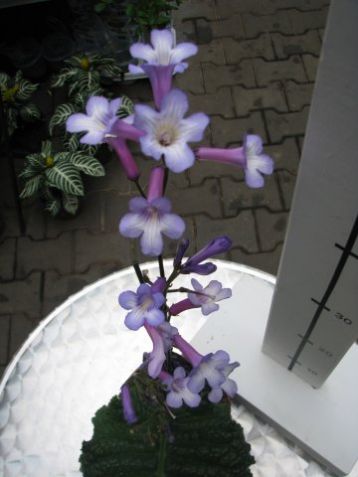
{"points": [[254, 72]]}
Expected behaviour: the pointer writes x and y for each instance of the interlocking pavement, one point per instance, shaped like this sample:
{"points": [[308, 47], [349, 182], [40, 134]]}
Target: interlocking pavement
{"points": [[255, 72]]}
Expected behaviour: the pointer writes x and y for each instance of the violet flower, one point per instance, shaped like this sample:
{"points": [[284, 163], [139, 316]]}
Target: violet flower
{"points": [[187, 350], [178, 391], [193, 264], [145, 306], [128, 409], [250, 157], [162, 61], [213, 369], [229, 387], [103, 125], [151, 218], [167, 132], [168, 332], [157, 356], [181, 249], [205, 298]]}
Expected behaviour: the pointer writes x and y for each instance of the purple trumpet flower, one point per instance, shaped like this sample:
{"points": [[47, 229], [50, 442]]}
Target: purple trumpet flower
{"points": [[128, 409], [103, 125], [178, 391], [181, 249], [189, 353], [162, 61], [205, 298], [229, 387], [213, 369], [157, 356], [151, 218], [168, 332], [167, 132], [144, 305], [250, 157], [193, 264]]}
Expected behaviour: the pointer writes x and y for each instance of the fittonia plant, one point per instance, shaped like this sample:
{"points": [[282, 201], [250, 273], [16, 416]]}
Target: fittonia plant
{"points": [[173, 417]]}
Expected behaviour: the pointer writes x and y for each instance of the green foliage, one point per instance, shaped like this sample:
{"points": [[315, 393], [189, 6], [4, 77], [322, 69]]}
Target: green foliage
{"points": [[15, 94], [61, 114], [144, 15], [102, 5], [56, 177], [200, 442]]}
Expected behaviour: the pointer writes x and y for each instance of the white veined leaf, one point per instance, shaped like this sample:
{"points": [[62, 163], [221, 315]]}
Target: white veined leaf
{"points": [[112, 71], [30, 112], [18, 76], [53, 206], [70, 203], [28, 171], [46, 148], [127, 107], [63, 77], [25, 90], [71, 142], [87, 164], [31, 186], [36, 161], [4, 80], [60, 116], [11, 120], [64, 176]]}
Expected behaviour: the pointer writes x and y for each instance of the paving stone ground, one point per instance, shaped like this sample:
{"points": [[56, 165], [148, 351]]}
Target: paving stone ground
{"points": [[255, 72]]}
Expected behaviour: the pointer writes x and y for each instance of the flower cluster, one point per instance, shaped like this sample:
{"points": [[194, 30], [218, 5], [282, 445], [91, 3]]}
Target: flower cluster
{"points": [[165, 134]]}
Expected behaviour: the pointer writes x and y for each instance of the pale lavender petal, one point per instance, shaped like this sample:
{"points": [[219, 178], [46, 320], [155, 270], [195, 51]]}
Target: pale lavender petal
{"points": [[144, 289], [230, 387], [172, 226], [143, 52], [224, 293], [193, 127], [128, 409], [221, 358], [262, 163], [183, 51], [128, 300], [79, 122], [162, 204], [162, 41], [134, 69], [254, 179], [150, 147], [158, 299], [253, 144], [191, 399], [208, 308], [160, 77], [151, 241], [92, 138], [213, 288], [196, 383], [215, 395], [132, 225], [179, 372], [175, 104], [179, 157], [180, 67], [214, 377], [154, 317], [145, 117], [97, 106], [174, 400], [196, 300], [138, 204], [114, 105], [196, 285], [134, 320], [157, 356]]}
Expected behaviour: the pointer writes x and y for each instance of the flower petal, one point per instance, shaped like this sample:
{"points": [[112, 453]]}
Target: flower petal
{"points": [[209, 307], [134, 320], [180, 67], [114, 105], [179, 157], [213, 288], [162, 204], [92, 138], [196, 285], [132, 225], [143, 52], [230, 387], [183, 51], [172, 226], [158, 299], [151, 241], [174, 400], [138, 204], [145, 117], [128, 300], [179, 372], [97, 106], [254, 179], [150, 147], [196, 382], [224, 293], [193, 127], [79, 122], [154, 317], [134, 69], [215, 395], [253, 144], [174, 105], [162, 41], [262, 163], [191, 399]]}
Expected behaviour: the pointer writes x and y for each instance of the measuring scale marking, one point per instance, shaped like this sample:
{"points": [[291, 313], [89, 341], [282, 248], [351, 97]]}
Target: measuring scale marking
{"points": [[346, 255]]}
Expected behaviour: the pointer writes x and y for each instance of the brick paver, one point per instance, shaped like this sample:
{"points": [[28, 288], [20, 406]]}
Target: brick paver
{"points": [[255, 72]]}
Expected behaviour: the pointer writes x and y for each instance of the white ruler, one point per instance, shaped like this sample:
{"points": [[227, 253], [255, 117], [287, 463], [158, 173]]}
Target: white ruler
{"points": [[314, 316]]}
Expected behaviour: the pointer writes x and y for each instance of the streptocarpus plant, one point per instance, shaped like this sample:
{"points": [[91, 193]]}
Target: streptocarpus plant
{"points": [[172, 416]]}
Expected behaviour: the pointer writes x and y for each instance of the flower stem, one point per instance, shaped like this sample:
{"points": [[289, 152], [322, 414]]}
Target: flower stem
{"points": [[140, 189], [161, 266], [138, 272]]}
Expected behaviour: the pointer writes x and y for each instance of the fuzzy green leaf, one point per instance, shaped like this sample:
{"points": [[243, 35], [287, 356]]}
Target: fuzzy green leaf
{"points": [[66, 177], [205, 441], [60, 116], [30, 112], [32, 186], [70, 203], [87, 164]]}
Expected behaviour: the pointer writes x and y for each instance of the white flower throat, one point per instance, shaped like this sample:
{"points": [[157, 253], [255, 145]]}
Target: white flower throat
{"points": [[166, 134]]}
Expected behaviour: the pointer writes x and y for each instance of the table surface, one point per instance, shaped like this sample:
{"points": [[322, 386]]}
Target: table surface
{"points": [[77, 359]]}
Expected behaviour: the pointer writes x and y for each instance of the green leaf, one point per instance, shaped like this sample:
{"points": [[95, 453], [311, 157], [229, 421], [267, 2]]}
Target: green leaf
{"points": [[31, 186], [63, 77], [4, 80], [127, 107], [87, 164], [71, 142], [70, 203], [25, 90], [60, 116], [112, 71], [46, 148], [66, 177], [30, 112], [204, 442], [53, 206]]}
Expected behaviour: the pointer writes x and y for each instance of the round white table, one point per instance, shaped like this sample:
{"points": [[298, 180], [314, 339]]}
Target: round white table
{"points": [[77, 359]]}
